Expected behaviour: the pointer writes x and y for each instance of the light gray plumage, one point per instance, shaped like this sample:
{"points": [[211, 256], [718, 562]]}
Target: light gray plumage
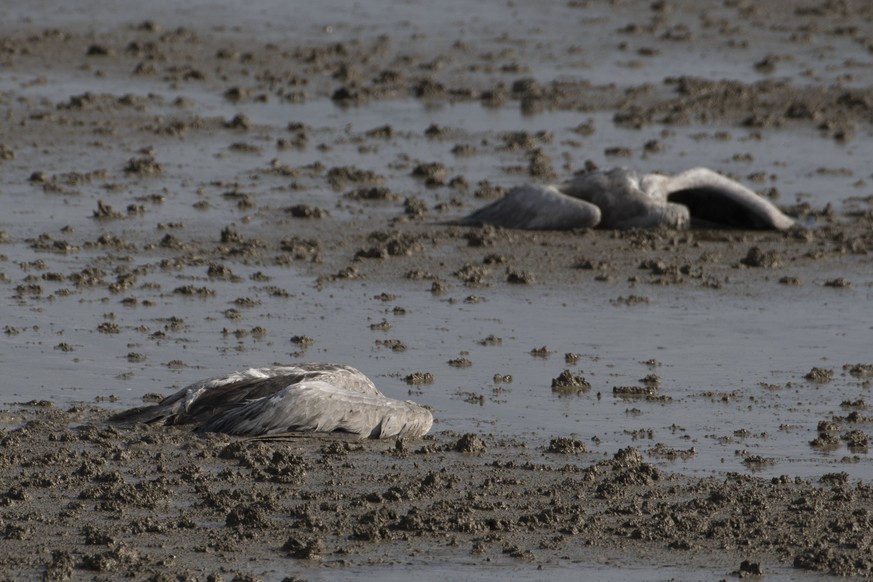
{"points": [[538, 208], [311, 397], [621, 199]]}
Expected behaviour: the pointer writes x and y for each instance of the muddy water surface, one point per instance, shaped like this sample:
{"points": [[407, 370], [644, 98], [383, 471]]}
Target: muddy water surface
{"points": [[194, 190]]}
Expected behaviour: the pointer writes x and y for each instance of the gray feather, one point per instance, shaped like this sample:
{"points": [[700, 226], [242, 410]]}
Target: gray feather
{"points": [[306, 398], [621, 199], [537, 208], [713, 199], [623, 203]]}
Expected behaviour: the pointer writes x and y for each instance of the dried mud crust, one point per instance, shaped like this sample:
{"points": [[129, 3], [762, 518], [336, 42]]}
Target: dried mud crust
{"points": [[83, 498]]}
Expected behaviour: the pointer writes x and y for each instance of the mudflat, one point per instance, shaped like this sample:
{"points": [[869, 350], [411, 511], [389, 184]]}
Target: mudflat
{"points": [[188, 191], [86, 499]]}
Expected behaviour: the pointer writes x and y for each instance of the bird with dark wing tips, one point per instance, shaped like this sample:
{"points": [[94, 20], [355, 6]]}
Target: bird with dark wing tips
{"points": [[621, 199], [310, 397]]}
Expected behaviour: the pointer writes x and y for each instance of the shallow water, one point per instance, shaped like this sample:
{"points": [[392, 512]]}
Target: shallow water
{"points": [[707, 349], [603, 569]]}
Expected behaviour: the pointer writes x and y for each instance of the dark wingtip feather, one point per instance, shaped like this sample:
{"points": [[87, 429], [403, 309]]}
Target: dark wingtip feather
{"points": [[141, 414]]}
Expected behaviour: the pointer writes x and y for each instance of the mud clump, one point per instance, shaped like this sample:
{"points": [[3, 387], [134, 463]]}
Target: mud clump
{"points": [[567, 383], [433, 174], [635, 391], [470, 443], [460, 362], [143, 167], [247, 516], [566, 446], [757, 257], [820, 375], [520, 277], [748, 568], [306, 211], [304, 548], [341, 176], [859, 370], [540, 352], [302, 341], [662, 451], [392, 344], [391, 245], [856, 440], [631, 300], [838, 283], [833, 563], [420, 378], [372, 193]]}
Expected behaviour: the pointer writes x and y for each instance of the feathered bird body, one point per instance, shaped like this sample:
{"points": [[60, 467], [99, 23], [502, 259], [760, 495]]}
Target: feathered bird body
{"points": [[311, 397], [621, 199]]}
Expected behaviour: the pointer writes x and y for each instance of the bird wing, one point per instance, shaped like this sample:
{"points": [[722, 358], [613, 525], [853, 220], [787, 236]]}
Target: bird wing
{"points": [[715, 200], [211, 397], [537, 208], [317, 406], [623, 202], [205, 399], [343, 377]]}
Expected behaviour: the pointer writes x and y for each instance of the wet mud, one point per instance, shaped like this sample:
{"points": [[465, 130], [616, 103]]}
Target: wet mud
{"points": [[87, 499], [188, 193]]}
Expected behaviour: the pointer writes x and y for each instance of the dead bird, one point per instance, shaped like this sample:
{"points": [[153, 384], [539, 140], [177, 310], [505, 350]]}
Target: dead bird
{"points": [[309, 397], [621, 199]]}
